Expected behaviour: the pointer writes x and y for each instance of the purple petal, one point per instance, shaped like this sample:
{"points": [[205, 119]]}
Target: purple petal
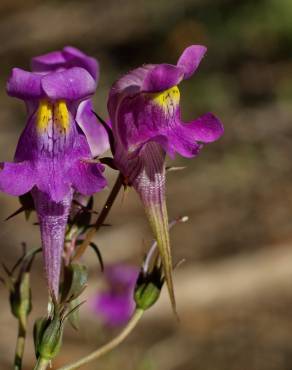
{"points": [[114, 310], [52, 178], [140, 120], [115, 305], [94, 131], [55, 157], [128, 85], [190, 59], [16, 178], [205, 129], [187, 139], [72, 84], [132, 81], [162, 77], [135, 123], [24, 85], [67, 58], [79, 59], [149, 78], [87, 178], [48, 62], [49, 154], [121, 274], [183, 144]]}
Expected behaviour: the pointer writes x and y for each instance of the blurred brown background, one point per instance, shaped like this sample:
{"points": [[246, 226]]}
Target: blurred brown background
{"points": [[235, 290]]}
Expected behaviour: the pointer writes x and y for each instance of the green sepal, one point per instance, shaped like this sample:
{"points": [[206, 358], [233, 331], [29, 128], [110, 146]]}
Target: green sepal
{"points": [[73, 316], [146, 295], [75, 281], [38, 331]]}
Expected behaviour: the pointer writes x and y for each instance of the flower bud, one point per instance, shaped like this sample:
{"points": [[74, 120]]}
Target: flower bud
{"points": [[148, 286], [38, 331], [152, 275], [48, 337], [146, 295]]}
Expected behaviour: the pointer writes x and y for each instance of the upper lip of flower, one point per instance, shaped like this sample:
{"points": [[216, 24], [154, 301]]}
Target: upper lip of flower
{"points": [[71, 84], [159, 77], [64, 59]]}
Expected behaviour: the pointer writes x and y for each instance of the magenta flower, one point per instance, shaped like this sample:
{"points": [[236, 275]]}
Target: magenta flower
{"points": [[115, 304], [146, 122], [51, 159]]}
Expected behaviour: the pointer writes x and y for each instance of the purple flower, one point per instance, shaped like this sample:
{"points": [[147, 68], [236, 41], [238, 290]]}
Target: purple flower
{"points": [[146, 122], [51, 159], [116, 304]]}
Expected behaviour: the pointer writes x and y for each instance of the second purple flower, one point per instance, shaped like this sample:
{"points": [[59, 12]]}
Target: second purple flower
{"points": [[146, 122]]}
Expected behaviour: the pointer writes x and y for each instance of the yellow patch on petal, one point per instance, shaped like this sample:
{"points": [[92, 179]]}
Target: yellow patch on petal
{"points": [[167, 98], [44, 114], [58, 112], [61, 114]]}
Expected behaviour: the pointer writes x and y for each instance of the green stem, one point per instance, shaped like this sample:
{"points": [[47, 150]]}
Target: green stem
{"points": [[20, 343], [110, 345], [102, 216], [42, 364]]}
